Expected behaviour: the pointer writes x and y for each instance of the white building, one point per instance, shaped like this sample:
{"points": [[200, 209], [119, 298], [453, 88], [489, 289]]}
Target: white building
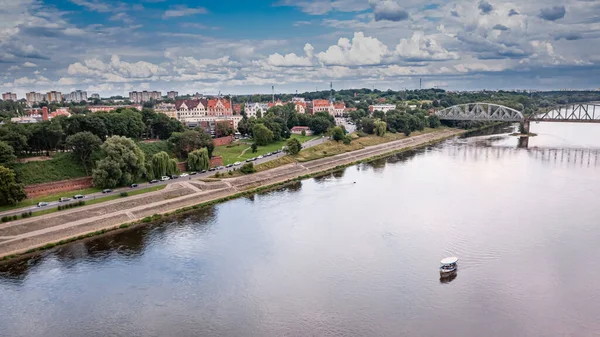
{"points": [[144, 96], [168, 109], [381, 107], [53, 96], [95, 96], [9, 96], [76, 96], [33, 97], [251, 109], [172, 94]]}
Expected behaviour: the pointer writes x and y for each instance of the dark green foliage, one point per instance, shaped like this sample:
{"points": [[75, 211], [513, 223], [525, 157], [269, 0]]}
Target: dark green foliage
{"points": [[254, 147], [293, 146], [123, 194], [247, 168], [185, 142], [11, 192], [262, 135], [338, 134]]}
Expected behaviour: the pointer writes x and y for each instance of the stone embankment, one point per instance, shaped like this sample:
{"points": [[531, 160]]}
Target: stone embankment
{"points": [[23, 235]]}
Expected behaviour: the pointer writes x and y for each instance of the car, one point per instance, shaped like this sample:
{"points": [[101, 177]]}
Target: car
{"points": [[248, 160], [134, 185], [183, 175], [174, 176], [259, 157], [253, 159], [64, 199], [220, 167], [108, 190], [212, 169], [203, 171], [42, 204], [193, 173], [78, 196], [165, 178], [237, 163], [229, 165], [153, 181]]}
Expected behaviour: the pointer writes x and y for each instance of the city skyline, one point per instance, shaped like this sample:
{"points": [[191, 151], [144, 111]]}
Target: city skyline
{"points": [[112, 48]]}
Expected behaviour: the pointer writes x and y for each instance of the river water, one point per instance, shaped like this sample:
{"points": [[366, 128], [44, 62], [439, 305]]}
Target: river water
{"points": [[354, 253]]}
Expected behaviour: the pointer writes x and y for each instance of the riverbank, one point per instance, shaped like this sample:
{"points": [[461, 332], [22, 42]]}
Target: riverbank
{"points": [[31, 235]]}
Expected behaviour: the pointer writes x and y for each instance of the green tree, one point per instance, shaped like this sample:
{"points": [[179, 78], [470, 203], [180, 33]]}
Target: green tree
{"points": [[368, 125], [434, 121], [338, 134], [7, 154], [83, 145], [10, 191], [380, 128], [244, 126], [185, 142], [320, 124], [303, 133], [293, 146], [160, 164], [123, 163], [223, 129], [262, 135], [198, 160], [247, 168], [254, 147]]}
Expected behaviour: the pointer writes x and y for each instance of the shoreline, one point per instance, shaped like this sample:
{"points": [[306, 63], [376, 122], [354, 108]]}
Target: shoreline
{"points": [[199, 195]]}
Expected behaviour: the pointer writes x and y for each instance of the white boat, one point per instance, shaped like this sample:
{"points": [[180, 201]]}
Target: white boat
{"points": [[448, 266]]}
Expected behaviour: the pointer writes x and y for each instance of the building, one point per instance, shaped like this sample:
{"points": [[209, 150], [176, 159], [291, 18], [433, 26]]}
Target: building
{"points": [[298, 99], [278, 103], [60, 112], [381, 107], [300, 107], [172, 94], [219, 107], [339, 109], [95, 96], [191, 109], [54, 96], [321, 105], [297, 130], [209, 122], [144, 96], [34, 97], [109, 108], [9, 96], [237, 109], [76, 96], [168, 109]]}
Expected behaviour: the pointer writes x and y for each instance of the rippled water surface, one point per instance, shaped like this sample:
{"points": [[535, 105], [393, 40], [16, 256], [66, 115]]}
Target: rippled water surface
{"points": [[351, 254]]}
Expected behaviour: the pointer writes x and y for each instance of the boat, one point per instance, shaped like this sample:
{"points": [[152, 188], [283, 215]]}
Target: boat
{"points": [[448, 266]]}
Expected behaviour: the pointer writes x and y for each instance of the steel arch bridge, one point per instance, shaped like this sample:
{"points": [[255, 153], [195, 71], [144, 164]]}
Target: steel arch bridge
{"points": [[489, 112]]}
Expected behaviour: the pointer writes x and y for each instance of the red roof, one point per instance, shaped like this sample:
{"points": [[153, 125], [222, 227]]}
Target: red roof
{"points": [[300, 128], [320, 102], [190, 103], [212, 103], [301, 103], [339, 105]]}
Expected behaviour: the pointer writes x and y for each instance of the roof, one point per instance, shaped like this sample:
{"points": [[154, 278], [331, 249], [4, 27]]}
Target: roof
{"points": [[212, 103], [190, 103], [339, 105], [449, 260], [320, 102], [300, 128]]}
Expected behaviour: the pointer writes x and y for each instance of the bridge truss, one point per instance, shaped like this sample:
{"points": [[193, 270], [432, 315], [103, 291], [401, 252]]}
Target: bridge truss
{"points": [[481, 112], [572, 113]]}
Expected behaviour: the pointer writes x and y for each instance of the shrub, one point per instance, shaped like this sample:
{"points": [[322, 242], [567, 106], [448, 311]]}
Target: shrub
{"points": [[5, 219], [25, 215], [15, 217], [247, 168], [347, 140], [230, 173], [123, 194]]}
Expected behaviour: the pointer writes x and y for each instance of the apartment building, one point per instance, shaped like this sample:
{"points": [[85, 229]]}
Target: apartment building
{"points": [[144, 96], [9, 96], [34, 97], [54, 96], [76, 96], [172, 94]]}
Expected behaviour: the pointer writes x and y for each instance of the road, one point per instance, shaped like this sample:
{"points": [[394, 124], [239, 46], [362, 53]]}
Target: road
{"points": [[140, 186]]}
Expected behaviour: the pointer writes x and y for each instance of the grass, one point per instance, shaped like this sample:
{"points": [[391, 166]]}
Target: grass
{"points": [[61, 167], [233, 152], [152, 148], [101, 199], [49, 198]]}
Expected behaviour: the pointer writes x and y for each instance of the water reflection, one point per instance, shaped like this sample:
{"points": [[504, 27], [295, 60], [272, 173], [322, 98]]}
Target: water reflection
{"points": [[448, 278]]}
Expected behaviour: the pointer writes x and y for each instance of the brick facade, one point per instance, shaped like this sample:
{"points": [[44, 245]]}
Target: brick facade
{"points": [[57, 187], [216, 161], [223, 140]]}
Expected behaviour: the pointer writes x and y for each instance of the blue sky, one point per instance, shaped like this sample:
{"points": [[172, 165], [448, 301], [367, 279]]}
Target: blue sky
{"points": [[239, 47]]}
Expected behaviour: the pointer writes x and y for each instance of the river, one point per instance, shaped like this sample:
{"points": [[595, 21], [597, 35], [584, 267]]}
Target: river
{"points": [[354, 253]]}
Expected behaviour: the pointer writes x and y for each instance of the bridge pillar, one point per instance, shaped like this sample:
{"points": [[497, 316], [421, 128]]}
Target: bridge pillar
{"points": [[524, 127], [523, 142]]}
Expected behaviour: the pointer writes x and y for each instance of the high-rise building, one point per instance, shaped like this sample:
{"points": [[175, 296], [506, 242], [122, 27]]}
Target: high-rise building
{"points": [[144, 96], [54, 96], [34, 97], [95, 96], [9, 96], [76, 96], [172, 94]]}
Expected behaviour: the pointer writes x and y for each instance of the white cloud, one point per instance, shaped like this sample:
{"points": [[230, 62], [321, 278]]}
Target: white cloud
{"points": [[29, 65], [179, 11], [422, 48], [291, 59], [67, 81], [362, 50]]}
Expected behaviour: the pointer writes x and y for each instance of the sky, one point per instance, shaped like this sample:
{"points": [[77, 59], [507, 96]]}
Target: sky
{"points": [[247, 46]]}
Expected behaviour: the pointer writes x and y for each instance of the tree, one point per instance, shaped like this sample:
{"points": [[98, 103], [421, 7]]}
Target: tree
{"points": [[293, 146], [198, 160], [338, 134], [262, 135], [244, 126], [247, 168], [303, 133], [10, 191], [83, 145], [380, 128], [434, 121], [254, 147], [185, 142], [160, 164], [123, 163], [7, 154], [223, 129], [368, 125], [320, 124]]}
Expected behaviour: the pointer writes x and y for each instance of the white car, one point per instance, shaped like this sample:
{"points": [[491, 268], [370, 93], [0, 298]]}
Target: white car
{"points": [[260, 157], [165, 178], [184, 175], [237, 163]]}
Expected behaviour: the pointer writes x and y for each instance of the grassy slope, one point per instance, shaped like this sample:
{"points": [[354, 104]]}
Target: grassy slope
{"points": [[62, 166], [232, 153], [153, 148]]}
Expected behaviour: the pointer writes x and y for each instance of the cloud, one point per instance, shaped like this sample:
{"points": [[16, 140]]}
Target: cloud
{"points": [[67, 81], [569, 36], [553, 13], [302, 23], [389, 10], [421, 48], [292, 60], [96, 6], [500, 27], [116, 70], [321, 7], [121, 16], [513, 12], [485, 7], [454, 13], [183, 10], [13, 68], [29, 65], [362, 50]]}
